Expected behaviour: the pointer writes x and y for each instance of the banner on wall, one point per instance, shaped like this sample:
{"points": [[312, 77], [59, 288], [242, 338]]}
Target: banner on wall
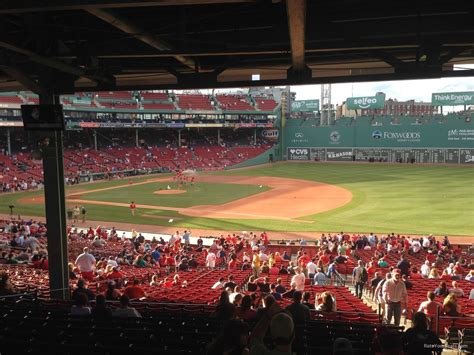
{"points": [[365, 102], [452, 98], [271, 134], [305, 105]]}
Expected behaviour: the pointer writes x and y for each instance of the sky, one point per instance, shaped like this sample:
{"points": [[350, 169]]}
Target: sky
{"points": [[419, 90]]}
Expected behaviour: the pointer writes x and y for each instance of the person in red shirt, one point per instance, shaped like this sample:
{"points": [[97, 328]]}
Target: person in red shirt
{"points": [[133, 207], [134, 291], [41, 263], [115, 274]]}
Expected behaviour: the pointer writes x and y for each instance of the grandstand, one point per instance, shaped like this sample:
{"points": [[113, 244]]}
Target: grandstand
{"points": [[120, 68]]}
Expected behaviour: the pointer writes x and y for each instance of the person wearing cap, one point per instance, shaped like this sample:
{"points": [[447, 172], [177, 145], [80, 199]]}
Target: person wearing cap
{"points": [[282, 331], [395, 296]]}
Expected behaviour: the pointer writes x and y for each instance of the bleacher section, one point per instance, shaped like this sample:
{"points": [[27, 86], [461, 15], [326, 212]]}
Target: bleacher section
{"points": [[234, 103], [194, 102], [112, 160], [265, 104]]}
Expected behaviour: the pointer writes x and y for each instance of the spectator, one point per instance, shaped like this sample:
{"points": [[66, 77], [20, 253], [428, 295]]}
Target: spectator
{"points": [[82, 289], [274, 293], [408, 284], [299, 312], [85, 262], [230, 282], [281, 330], [101, 311], [419, 340], [219, 284], [328, 302], [134, 291], [359, 278], [299, 279], [232, 339], [125, 311], [431, 308], [470, 276], [81, 306], [279, 287], [6, 287], [306, 296], [451, 307], [245, 311], [252, 284], [442, 290], [290, 292], [112, 294], [434, 274], [404, 266], [471, 294], [455, 290], [311, 268], [374, 282], [395, 297], [425, 269], [320, 278], [224, 310]]}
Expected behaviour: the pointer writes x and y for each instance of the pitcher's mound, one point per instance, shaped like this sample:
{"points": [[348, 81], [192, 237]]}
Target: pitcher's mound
{"points": [[169, 192]]}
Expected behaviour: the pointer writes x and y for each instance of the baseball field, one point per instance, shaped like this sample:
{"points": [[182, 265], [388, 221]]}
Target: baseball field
{"points": [[291, 197]]}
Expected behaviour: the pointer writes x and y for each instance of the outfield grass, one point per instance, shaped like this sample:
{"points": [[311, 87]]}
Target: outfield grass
{"points": [[386, 198], [198, 194]]}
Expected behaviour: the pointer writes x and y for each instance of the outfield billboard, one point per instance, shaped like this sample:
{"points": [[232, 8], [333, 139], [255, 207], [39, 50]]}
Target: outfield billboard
{"points": [[305, 105], [365, 102], [452, 98], [447, 143]]}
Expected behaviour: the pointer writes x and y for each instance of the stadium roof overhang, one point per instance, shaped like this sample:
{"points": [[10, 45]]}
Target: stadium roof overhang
{"points": [[92, 45]]}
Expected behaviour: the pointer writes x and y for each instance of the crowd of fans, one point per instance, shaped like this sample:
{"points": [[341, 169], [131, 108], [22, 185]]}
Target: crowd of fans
{"points": [[256, 299]]}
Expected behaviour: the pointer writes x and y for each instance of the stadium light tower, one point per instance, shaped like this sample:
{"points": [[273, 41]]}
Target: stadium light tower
{"points": [[325, 104]]}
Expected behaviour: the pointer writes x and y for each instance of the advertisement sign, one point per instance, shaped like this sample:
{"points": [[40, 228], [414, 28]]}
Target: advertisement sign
{"points": [[365, 102], [305, 105], [271, 134], [203, 125], [299, 154], [339, 154], [452, 98], [175, 125]]}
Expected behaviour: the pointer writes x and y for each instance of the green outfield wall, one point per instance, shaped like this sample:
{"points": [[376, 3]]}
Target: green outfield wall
{"points": [[451, 142]]}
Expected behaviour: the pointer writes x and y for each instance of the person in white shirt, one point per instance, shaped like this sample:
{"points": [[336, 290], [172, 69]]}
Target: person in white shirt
{"points": [[219, 284], [311, 267], [85, 263], [112, 262], [425, 269], [455, 290], [395, 296], [449, 270], [263, 257], [415, 246], [211, 260], [299, 279], [426, 242], [246, 257]]}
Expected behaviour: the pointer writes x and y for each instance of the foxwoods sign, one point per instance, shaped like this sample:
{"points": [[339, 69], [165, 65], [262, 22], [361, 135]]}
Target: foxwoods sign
{"points": [[398, 136]]}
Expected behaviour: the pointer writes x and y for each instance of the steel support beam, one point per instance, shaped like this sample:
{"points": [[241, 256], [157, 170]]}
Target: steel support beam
{"points": [[137, 32], [55, 205]]}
